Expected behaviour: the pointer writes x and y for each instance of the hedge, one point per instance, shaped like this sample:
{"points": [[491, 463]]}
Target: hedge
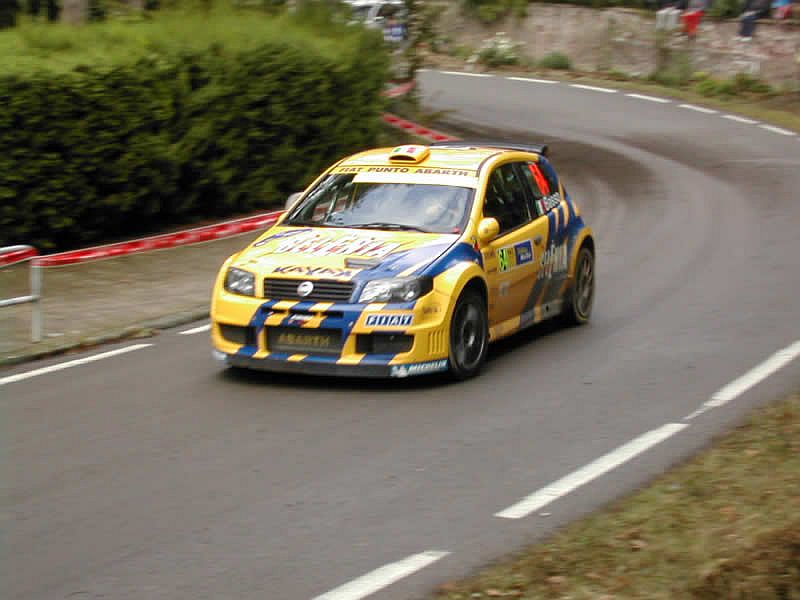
{"points": [[97, 154]]}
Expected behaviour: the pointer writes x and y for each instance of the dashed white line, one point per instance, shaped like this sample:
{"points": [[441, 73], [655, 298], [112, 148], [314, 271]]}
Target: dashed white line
{"points": [[593, 88], [740, 385], [382, 577], [593, 470], [779, 130], [529, 80], [71, 363], [739, 119], [467, 74], [700, 109], [649, 98], [193, 330]]}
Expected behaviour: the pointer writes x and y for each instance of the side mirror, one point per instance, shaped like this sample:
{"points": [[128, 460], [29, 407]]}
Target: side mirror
{"points": [[292, 200], [488, 229]]}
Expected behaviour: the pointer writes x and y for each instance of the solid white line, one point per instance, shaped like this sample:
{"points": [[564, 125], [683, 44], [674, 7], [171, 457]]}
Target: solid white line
{"points": [[467, 74], [700, 109], [528, 79], [755, 375], [382, 577], [739, 386], [739, 119], [200, 329], [71, 363], [648, 98], [593, 88], [587, 473], [774, 129]]}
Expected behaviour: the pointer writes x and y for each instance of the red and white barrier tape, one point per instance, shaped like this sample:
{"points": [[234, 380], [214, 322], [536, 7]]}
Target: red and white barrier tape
{"points": [[159, 242], [14, 254], [414, 128]]}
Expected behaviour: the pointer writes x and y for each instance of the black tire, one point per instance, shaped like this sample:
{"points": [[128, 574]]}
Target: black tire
{"points": [[578, 304], [469, 335]]}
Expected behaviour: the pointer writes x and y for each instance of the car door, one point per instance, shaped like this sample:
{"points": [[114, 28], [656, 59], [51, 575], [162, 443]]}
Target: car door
{"points": [[511, 258], [552, 266]]}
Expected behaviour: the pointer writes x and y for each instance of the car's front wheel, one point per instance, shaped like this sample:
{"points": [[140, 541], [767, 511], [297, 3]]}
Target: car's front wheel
{"points": [[579, 303], [469, 335]]}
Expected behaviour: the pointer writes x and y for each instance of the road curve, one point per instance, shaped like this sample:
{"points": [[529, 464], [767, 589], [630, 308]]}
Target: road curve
{"points": [[151, 474]]}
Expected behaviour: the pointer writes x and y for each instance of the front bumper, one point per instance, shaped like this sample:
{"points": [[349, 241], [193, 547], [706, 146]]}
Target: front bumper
{"points": [[315, 366], [424, 321]]}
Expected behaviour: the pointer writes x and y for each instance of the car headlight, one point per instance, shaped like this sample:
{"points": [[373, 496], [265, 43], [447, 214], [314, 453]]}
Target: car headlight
{"points": [[241, 282], [398, 289]]}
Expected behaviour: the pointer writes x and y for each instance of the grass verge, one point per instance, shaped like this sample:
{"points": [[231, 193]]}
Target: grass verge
{"points": [[725, 525]]}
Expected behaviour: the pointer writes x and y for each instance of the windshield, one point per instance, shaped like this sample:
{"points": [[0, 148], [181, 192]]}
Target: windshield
{"points": [[338, 201]]}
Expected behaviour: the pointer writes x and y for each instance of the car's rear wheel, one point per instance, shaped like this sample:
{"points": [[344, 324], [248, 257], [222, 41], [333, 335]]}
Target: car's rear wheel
{"points": [[578, 308], [469, 335]]}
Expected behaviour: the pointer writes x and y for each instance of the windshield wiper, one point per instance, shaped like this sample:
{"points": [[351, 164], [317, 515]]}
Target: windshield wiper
{"points": [[393, 226], [311, 223]]}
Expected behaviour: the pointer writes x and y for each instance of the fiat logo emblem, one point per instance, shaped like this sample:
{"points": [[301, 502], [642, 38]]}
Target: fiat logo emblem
{"points": [[305, 288]]}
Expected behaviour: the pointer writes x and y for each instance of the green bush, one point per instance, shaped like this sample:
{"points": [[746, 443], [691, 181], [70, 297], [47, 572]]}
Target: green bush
{"points": [[556, 60], [99, 153], [492, 11]]}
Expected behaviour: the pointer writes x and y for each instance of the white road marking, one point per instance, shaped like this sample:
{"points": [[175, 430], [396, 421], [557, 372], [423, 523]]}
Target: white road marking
{"points": [[740, 385], [200, 329], [648, 98], [739, 119], [71, 363], [592, 88], [700, 109], [528, 79], [780, 130], [467, 74], [382, 577], [589, 472]]}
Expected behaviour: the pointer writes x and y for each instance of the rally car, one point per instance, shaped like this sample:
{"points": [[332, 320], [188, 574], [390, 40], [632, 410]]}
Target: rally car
{"points": [[407, 261]]}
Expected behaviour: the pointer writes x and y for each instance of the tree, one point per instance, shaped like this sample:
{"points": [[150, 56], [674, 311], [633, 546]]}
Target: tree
{"points": [[8, 13]]}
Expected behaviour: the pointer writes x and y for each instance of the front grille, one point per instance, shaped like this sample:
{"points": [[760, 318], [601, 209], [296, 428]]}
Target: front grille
{"points": [[297, 340], [324, 291]]}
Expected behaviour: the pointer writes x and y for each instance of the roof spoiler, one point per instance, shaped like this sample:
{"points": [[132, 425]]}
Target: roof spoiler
{"points": [[535, 148]]}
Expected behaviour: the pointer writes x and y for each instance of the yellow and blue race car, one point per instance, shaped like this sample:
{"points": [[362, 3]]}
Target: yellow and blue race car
{"points": [[407, 261]]}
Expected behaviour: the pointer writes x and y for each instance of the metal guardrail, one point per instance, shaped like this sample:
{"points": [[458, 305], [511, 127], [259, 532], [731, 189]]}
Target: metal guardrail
{"points": [[12, 255]]}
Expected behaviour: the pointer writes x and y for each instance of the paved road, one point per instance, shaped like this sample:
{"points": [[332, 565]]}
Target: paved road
{"points": [[151, 474]]}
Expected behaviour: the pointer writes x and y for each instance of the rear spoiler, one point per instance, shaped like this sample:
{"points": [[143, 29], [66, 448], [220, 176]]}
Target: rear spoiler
{"points": [[535, 148]]}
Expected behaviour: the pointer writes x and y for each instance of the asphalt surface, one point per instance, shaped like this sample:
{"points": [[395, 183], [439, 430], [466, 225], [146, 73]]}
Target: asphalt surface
{"points": [[153, 474]]}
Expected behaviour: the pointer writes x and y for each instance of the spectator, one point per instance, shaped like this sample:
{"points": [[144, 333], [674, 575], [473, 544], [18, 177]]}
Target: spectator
{"points": [[668, 13], [753, 11], [782, 8], [692, 16]]}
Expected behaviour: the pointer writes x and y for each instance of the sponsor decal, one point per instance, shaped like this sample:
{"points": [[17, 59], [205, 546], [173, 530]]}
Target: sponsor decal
{"points": [[550, 202], [309, 271], [433, 309], [515, 256], [387, 320], [306, 339], [316, 243], [425, 368], [299, 318], [555, 260], [415, 170]]}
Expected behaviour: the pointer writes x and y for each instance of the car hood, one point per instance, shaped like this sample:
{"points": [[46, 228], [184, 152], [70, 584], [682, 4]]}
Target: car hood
{"points": [[341, 253]]}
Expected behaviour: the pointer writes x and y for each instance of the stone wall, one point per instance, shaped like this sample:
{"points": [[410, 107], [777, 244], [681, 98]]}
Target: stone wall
{"points": [[625, 40]]}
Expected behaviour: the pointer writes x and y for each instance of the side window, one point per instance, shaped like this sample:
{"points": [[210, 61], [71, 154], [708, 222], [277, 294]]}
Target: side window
{"points": [[507, 198], [545, 189]]}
